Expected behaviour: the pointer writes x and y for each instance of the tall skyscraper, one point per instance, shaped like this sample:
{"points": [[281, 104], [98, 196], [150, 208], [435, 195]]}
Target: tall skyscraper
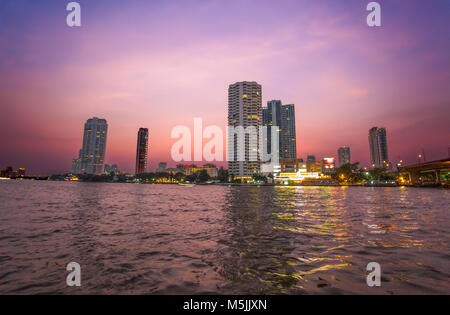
{"points": [[142, 151], [272, 117], [282, 116], [92, 155], [344, 156], [244, 110], [379, 156], [288, 143]]}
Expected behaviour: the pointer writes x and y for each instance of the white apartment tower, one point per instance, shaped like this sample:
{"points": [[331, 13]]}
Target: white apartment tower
{"points": [[92, 155], [244, 110]]}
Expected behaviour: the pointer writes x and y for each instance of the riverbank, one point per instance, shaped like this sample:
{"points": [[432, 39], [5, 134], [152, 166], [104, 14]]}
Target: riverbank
{"points": [[445, 186]]}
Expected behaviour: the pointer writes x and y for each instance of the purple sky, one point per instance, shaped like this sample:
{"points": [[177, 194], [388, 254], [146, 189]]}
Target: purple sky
{"points": [[158, 64]]}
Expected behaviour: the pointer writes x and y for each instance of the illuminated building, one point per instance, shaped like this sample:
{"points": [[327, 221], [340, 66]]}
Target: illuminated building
{"points": [[212, 170], [288, 143], [21, 172], [92, 154], [7, 173], [282, 116], [142, 151], [344, 156], [292, 165], [244, 110], [328, 166], [76, 165], [109, 169], [296, 178], [314, 166], [379, 156], [162, 166]]}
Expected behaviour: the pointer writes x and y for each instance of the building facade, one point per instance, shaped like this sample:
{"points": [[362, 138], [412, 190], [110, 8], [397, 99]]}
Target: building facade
{"points": [[244, 110], [379, 156], [292, 165], [282, 116], [288, 143], [142, 151], [328, 166], [162, 167], [344, 156], [91, 157]]}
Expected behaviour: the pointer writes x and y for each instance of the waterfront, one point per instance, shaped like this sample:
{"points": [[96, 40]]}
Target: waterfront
{"points": [[168, 239]]}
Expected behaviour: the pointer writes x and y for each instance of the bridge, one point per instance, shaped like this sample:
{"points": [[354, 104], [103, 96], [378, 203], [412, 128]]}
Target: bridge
{"points": [[427, 173]]}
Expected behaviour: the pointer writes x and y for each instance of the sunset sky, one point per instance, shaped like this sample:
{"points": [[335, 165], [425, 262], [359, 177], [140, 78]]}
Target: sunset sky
{"points": [[160, 63]]}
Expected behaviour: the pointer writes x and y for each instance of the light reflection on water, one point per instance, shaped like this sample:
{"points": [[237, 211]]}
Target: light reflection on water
{"points": [[216, 239]]}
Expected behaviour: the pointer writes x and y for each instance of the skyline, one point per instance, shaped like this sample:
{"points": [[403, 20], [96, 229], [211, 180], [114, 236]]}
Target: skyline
{"points": [[156, 65]]}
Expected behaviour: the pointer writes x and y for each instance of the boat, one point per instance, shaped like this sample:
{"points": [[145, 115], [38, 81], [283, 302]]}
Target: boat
{"points": [[187, 184]]}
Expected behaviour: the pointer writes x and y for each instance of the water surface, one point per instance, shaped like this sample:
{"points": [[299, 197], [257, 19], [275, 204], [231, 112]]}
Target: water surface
{"points": [[168, 239]]}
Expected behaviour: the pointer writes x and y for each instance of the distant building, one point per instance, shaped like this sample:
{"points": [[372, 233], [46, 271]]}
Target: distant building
{"points": [[172, 171], [282, 116], [7, 173], [344, 156], [110, 169], [271, 116], [244, 110], [328, 166], [92, 154], [142, 151], [162, 167], [379, 156], [314, 166], [211, 169], [181, 168], [76, 165], [288, 144], [311, 158], [292, 165], [21, 172]]}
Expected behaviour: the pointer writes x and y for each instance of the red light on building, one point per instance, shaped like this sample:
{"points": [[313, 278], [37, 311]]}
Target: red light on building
{"points": [[328, 163]]}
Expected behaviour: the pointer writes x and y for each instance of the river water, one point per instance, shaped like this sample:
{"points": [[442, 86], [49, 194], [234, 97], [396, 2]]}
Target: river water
{"points": [[169, 239]]}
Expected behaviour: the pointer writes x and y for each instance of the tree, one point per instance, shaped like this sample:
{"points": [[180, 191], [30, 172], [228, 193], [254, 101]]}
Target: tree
{"points": [[382, 174], [349, 174], [259, 178], [222, 175], [179, 177], [203, 176], [191, 178]]}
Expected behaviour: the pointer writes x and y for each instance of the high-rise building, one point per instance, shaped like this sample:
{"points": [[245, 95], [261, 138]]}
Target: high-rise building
{"points": [[271, 116], [142, 151], [92, 154], [244, 110], [282, 116], [311, 158], [288, 143], [379, 156], [344, 156], [162, 166]]}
